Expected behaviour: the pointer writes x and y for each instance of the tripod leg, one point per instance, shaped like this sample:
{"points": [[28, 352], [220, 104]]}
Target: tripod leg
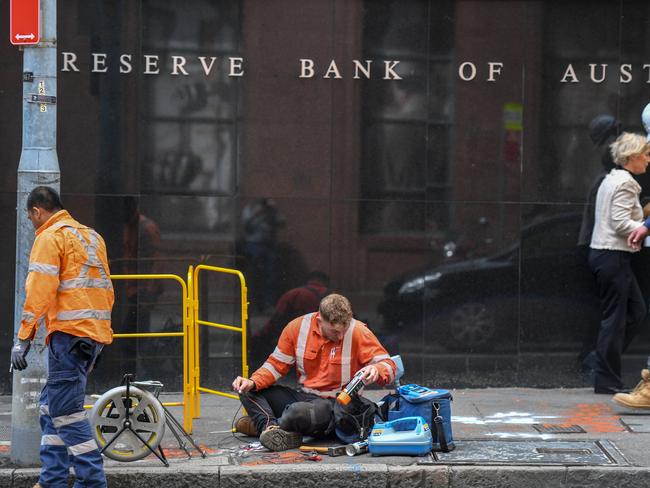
{"points": [[180, 441], [119, 433], [180, 428], [162, 459]]}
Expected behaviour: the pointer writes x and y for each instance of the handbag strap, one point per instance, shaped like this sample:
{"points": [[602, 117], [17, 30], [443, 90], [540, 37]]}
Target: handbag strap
{"points": [[440, 430]]}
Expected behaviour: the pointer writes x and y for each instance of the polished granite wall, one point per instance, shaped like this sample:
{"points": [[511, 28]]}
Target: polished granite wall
{"points": [[446, 204]]}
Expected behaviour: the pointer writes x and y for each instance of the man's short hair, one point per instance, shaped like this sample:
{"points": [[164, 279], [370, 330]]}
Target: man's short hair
{"points": [[336, 309], [44, 197]]}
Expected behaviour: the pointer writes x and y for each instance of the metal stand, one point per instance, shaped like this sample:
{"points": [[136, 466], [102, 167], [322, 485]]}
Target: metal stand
{"points": [[127, 424], [174, 425]]}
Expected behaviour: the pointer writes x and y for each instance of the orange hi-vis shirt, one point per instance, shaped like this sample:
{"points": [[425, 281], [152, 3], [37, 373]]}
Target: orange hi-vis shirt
{"points": [[68, 286], [324, 367]]}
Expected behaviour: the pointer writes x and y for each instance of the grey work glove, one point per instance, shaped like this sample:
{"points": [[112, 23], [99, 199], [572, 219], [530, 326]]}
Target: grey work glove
{"points": [[19, 353]]}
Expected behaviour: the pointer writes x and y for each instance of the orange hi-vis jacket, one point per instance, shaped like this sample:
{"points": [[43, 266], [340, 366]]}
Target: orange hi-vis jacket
{"points": [[68, 284], [323, 367]]}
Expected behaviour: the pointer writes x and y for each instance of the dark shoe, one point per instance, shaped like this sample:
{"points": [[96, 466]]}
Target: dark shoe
{"points": [[276, 439], [246, 426]]}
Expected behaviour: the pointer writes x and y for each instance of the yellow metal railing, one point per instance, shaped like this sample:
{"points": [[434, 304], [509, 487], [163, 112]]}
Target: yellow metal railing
{"points": [[190, 302], [197, 320], [187, 327]]}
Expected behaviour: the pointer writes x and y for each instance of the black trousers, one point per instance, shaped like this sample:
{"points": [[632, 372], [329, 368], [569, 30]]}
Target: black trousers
{"points": [[623, 310], [265, 407]]}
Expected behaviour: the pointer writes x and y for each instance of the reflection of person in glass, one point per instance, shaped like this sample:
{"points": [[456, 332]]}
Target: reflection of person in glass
{"points": [[141, 240], [293, 303], [261, 220], [618, 212], [603, 129]]}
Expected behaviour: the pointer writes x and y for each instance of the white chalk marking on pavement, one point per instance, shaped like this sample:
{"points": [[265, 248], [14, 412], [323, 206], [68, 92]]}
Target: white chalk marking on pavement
{"points": [[520, 435]]}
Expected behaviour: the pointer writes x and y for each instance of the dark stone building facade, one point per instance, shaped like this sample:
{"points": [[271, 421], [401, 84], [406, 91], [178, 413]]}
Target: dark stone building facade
{"points": [[432, 157]]}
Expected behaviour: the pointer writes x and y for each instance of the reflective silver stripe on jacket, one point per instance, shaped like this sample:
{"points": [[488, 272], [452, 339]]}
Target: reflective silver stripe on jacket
{"points": [[85, 283], [282, 357], [85, 313], [68, 419], [43, 410], [28, 317], [346, 354], [301, 345], [51, 440], [48, 269], [323, 394], [82, 281], [379, 357], [269, 367], [83, 448]]}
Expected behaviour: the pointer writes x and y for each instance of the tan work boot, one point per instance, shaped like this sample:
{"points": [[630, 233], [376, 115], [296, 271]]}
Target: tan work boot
{"points": [[246, 426], [276, 439], [640, 396]]}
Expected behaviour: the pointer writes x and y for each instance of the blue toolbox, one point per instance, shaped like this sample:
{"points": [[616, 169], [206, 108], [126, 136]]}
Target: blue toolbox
{"points": [[409, 436], [433, 405]]}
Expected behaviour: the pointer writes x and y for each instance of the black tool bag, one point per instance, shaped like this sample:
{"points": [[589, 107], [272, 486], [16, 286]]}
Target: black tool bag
{"points": [[354, 421]]}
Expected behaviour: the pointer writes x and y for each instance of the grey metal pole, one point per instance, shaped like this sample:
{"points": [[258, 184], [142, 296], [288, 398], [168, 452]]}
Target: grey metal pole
{"points": [[38, 165]]}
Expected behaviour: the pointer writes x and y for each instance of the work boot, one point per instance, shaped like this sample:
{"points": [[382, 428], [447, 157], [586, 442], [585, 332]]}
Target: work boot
{"points": [[640, 396], [276, 439], [246, 426]]}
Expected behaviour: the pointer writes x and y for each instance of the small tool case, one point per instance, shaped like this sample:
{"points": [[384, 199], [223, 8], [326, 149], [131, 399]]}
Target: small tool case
{"points": [[433, 405], [409, 436]]}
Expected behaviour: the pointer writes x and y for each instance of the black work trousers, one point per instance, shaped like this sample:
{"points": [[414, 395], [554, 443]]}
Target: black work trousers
{"points": [[265, 407], [623, 311]]}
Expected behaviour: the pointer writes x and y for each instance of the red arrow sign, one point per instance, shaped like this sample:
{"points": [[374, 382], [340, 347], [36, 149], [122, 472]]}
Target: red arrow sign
{"points": [[24, 23]]}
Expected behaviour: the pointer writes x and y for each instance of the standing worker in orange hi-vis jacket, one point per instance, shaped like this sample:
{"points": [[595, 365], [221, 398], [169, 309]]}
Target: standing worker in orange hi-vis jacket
{"points": [[69, 289], [328, 348]]}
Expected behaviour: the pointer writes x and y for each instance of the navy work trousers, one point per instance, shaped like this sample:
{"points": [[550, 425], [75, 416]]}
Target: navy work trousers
{"points": [[67, 439]]}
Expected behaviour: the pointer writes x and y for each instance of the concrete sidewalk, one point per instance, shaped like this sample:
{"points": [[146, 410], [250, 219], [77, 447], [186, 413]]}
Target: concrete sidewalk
{"points": [[498, 443]]}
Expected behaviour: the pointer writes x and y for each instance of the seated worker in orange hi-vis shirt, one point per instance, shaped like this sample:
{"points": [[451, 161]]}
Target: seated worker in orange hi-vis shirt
{"points": [[328, 348]]}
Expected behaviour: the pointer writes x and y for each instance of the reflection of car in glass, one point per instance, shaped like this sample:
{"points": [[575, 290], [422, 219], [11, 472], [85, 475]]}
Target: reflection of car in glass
{"points": [[534, 293]]}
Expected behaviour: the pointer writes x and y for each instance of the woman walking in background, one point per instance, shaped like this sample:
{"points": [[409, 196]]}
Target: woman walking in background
{"points": [[618, 213]]}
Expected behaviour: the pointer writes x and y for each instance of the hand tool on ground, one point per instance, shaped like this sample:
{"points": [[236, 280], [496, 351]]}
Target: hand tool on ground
{"points": [[329, 450]]}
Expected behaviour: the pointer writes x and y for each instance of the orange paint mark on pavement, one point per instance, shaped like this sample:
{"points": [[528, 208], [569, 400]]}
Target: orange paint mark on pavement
{"points": [[594, 417], [174, 453]]}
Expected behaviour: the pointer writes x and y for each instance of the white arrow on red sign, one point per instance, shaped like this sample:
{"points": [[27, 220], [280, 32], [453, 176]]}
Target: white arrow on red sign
{"points": [[24, 21]]}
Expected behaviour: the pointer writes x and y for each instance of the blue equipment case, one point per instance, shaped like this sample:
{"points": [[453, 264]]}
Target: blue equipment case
{"points": [[415, 400], [409, 436]]}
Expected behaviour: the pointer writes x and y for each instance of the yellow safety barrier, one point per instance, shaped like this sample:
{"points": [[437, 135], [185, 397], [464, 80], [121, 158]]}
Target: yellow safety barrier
{"points": [[185, 334], [197, 320], [190, 334]]}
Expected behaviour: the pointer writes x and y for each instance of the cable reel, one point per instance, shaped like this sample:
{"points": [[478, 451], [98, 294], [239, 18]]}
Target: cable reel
{"points": [[127, 423]]}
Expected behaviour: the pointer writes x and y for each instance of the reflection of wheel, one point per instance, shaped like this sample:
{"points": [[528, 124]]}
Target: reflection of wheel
{"points": [[146, 415], [470, 325]]}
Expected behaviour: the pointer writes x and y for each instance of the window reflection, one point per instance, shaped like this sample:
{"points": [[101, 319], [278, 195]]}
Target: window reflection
{"points": [[408, 122], [191, 120]]}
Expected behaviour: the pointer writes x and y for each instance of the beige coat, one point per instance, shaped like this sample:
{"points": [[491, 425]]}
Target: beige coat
{"points": [[618, 211]]}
